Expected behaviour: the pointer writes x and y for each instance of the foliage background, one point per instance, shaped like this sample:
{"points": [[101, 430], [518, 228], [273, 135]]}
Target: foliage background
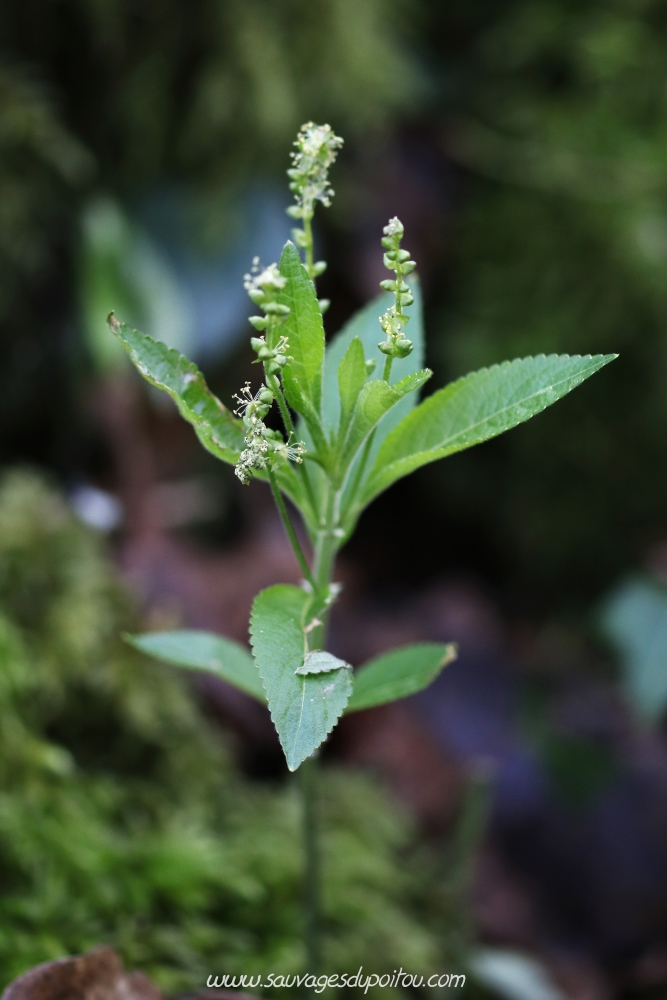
{"points": [[549, 121], [123, 818], [524, 146]]}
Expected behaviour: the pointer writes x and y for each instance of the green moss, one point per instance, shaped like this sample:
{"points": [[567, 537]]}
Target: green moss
{"points": [[122, 818]]}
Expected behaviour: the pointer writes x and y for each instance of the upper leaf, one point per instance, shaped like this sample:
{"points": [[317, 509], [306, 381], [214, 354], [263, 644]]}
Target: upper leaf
{"points": [[365, 325], [351, 377], [304, 708], [204, 651], [304, 330], [474, 409], [164, 367], [399, 673], [375, 400]]}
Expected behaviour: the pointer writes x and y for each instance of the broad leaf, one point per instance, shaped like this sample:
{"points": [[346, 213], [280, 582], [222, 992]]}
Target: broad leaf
{"points": [[366, 326], [351, 377], [375, 399], [165, 368], [399, 673], [302, 377], [304, 709], [204, 651], [474, 409]]}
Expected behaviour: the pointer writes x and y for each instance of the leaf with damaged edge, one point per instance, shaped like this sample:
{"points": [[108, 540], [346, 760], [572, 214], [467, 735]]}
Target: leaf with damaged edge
{"points": [[204, 651], [165, 368], [304, 709], [400, 673]]}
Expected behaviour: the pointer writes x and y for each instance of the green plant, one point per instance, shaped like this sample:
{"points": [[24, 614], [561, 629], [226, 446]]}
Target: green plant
{"points": [[357, 433]]}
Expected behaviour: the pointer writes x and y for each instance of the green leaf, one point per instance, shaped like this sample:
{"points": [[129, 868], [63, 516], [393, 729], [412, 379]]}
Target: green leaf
{"points": [[474, 409], [351, 377], [204, 651], [304, 709], [375, 399], [320, 662], [399, 673], [304, 331], [365, 325], [165, 368]]}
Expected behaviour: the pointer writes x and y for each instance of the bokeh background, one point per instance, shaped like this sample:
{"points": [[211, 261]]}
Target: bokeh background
{"points": [[512, 821]]}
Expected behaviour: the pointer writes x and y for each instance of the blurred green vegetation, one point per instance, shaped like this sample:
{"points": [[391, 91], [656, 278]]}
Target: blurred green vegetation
{"points": [[558, 117], [554, 115], [120, 97], [123, 819]]}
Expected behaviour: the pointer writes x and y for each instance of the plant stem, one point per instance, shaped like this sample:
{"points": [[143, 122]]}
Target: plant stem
{"points": [[324, 560], [311, 843], [289, 528], [274, 385], [387, 368], [308, 230]]}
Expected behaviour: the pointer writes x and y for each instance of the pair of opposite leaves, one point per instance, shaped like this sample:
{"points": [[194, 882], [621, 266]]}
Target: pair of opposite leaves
{"points": [[305, 707]]}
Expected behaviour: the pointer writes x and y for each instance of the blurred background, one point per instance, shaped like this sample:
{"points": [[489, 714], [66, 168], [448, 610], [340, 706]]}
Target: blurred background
{"points": [[512, 821]]}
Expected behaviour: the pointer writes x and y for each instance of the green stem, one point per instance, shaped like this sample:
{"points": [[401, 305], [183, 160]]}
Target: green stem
{"points": [[274, 385], [311, 842], [387, 368], [308, 230], [360, 470], [324, 560], [289, 528]]}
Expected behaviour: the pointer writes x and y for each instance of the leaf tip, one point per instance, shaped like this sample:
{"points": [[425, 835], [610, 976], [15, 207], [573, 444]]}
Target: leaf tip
{"points": [[113, 323]]}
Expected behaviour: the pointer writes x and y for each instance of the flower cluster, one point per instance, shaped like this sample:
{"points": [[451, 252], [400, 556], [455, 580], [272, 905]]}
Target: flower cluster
{"points": [[264, 448], [263, 286], [316, 149], [394, 320]]}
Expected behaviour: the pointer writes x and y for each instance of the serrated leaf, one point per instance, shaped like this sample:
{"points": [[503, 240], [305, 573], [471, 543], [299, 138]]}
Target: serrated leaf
{"points": [[400, 673], [366, 326], [204, 651], [304, 331], [475, 408], [165, 368], [351, 377], [304, 709], [217, 429], [318, 661]]}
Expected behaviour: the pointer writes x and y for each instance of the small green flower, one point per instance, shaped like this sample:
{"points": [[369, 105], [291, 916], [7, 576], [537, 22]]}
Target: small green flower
{"points": [[394, 319], [316, 150]]}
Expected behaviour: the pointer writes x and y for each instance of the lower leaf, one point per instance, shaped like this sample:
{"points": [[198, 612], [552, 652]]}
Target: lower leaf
{"points": [[399, 673], [304, 708], [204, 651]]}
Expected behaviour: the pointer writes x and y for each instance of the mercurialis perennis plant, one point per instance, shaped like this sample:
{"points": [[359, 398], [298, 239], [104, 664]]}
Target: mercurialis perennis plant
{"points": [[352, 425]]}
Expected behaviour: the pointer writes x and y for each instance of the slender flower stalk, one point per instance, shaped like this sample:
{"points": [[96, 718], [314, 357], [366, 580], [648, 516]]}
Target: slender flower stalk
{"points": [[316, 150], [394, 320]]}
